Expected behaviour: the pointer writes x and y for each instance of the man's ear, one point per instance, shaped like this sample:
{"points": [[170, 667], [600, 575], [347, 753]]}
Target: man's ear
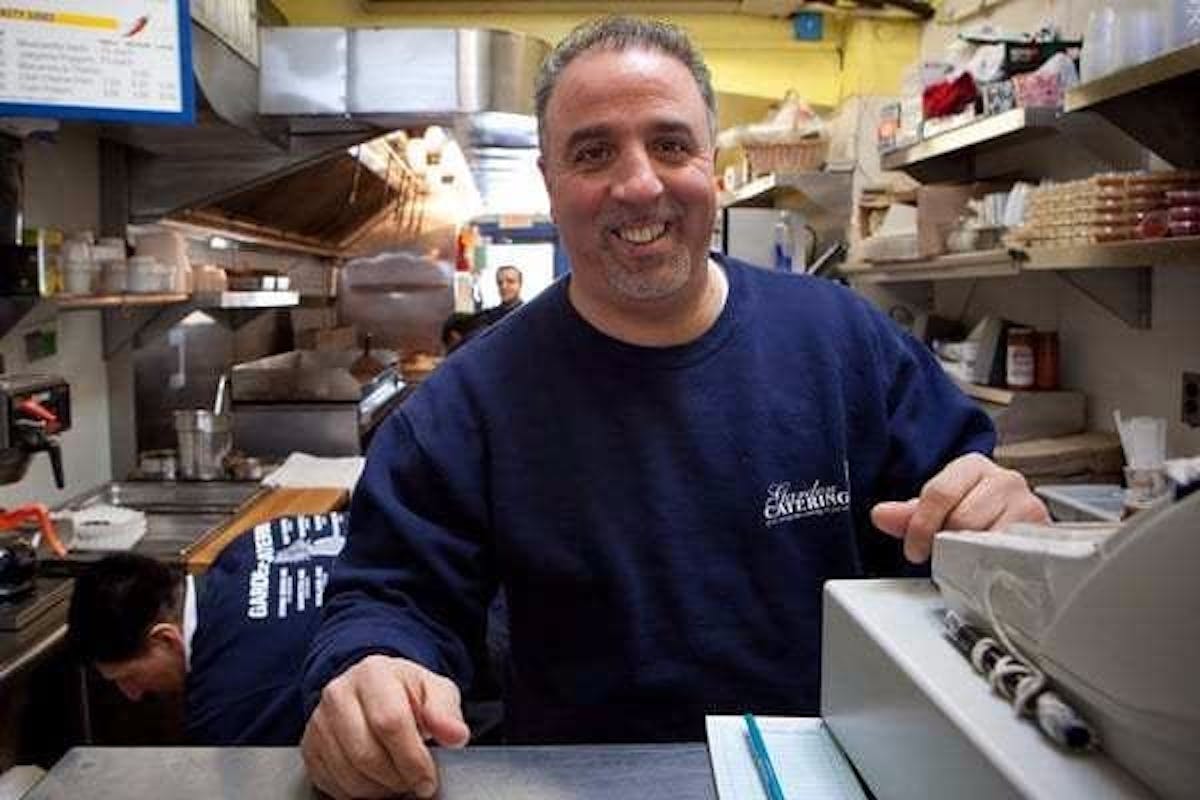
{"points": [[166, 634], [541, 162]]}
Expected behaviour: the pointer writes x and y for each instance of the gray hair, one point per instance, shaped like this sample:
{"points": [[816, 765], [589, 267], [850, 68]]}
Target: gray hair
{"points": [[623, 33]]}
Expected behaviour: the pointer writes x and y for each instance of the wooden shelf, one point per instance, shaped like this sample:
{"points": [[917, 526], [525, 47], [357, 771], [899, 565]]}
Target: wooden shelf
{"points": [[81, 301]]}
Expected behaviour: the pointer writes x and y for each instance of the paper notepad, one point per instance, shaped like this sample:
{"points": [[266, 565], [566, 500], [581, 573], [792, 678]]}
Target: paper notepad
{"points": [[806, 760]]}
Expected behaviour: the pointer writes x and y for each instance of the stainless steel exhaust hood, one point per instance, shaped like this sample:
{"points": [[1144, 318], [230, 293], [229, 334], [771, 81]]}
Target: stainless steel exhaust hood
{"points": [[319, 91]]}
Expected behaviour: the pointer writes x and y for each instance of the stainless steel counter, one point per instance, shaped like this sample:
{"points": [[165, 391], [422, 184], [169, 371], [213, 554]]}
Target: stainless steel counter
{"points": [[617, 772], [178, 513]]}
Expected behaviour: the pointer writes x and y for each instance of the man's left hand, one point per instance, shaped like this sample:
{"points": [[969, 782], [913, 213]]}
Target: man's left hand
{"points": [[972, 493]]}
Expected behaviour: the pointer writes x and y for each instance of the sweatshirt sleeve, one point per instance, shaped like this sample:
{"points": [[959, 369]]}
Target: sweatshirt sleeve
{"points": [[930, 422], [415, 577]]}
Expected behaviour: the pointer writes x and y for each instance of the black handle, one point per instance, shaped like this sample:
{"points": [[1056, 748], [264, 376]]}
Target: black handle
{"points": [[56, 462]]}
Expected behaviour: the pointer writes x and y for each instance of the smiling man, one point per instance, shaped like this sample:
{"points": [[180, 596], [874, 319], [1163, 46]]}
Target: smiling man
{"points": [[662, 459]]}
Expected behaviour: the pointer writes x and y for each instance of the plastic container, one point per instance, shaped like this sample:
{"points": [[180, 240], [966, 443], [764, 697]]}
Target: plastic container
{"points": [[1143, 32], [79, 278], [113, 275], [1183, 22], [148, 276], [1101, 43]]}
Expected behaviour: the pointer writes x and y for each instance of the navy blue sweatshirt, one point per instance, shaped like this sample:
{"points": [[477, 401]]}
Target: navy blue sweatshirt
{"points": [[662, 519], [256, 612]]}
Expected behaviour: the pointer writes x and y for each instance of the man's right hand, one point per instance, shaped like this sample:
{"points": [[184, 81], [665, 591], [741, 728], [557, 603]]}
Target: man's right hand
{"points": [[367, 736]]}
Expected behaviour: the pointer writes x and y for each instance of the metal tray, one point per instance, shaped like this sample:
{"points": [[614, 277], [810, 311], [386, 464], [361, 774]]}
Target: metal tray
{"points": [[178, 514]]}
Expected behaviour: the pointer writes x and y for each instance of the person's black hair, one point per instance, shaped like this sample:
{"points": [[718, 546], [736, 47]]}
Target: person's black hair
{"points": [[464, 324], [116, 603]]}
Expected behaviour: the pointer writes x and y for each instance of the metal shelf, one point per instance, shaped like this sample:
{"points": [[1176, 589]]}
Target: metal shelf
{"points": [[941, 157], [826, 189], [1156, 103], [957, 266], [1183, 251]]}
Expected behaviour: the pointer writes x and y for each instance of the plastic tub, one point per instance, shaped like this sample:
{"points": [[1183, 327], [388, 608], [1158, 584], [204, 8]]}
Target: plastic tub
{"points": [[79, 279], [147, 275]]}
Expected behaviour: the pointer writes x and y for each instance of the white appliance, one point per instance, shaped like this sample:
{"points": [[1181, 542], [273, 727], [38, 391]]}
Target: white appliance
{"points": [[1111, 614]]}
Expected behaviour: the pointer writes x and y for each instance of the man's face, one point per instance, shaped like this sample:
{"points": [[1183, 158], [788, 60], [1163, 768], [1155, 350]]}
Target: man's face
{"points": [[628, 163], [508, 281], [159, 669]]}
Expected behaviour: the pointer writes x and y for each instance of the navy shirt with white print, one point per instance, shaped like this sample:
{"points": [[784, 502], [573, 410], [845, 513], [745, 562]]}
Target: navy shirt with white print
{"points": [[257, 610]]}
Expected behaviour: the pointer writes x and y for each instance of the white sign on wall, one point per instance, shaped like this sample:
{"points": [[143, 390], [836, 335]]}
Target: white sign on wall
{"points": [[122, 60]]}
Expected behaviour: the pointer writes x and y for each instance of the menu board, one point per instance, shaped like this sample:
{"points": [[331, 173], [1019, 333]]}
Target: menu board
{"points": [[121, 60]]}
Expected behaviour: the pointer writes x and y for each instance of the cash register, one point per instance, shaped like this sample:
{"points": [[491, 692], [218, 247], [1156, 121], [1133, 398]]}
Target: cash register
{"points": [[1109, 613]]}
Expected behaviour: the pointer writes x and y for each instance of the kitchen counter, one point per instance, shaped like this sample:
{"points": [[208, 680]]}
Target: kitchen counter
{"points": [[646, 772], [178, 514], [33, 642]]}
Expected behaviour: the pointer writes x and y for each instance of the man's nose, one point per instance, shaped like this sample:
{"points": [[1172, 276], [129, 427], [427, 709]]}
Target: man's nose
{"points": [[637, 180]]}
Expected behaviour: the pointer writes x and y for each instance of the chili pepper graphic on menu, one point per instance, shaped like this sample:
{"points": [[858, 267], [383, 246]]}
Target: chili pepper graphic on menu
{"points": [[138, 26]]}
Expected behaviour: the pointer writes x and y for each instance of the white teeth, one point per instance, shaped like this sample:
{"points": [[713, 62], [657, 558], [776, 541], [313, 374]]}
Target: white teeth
{"points": [[642, 234]]}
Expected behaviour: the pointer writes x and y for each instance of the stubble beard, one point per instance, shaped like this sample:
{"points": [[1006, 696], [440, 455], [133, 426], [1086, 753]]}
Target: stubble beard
{"points": [[653, 282]]}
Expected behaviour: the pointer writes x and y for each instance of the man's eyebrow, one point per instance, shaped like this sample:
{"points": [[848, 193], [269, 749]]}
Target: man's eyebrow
{"points": [[593, 132], [588, 133]]}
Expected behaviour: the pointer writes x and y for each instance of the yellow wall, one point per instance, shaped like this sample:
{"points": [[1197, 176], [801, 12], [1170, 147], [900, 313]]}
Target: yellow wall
{"points": [[748, 55]]}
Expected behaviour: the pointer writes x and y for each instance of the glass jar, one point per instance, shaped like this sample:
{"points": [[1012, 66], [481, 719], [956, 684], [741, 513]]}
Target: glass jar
{"points": [[1019, 364]]}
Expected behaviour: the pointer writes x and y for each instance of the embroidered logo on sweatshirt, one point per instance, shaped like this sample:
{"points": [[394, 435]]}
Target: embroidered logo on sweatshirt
{"points": [[787, 501]]}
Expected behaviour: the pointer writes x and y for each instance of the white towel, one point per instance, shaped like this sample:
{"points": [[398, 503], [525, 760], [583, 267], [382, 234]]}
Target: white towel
{"points": [[302, 471]]}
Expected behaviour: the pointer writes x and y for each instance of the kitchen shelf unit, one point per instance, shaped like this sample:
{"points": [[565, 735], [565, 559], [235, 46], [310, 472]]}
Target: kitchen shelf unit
{"points": [[1153, 105], [1157, 103]]}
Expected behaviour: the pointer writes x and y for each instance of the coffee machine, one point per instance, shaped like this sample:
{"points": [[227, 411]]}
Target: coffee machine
{"points": [[34, 409]]}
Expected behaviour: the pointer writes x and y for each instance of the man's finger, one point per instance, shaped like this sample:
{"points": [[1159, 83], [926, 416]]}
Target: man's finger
{"points": [[331, 766], [939, 497], [385, 696], [979, 510], [441, 713], [892, 517]]}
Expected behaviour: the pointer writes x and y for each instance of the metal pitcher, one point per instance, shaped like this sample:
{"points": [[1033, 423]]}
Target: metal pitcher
{"points": [[204, 440]]}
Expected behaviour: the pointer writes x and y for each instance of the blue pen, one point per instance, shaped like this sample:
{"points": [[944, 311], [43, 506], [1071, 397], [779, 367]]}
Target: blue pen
{"points": [[762, 759]]}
